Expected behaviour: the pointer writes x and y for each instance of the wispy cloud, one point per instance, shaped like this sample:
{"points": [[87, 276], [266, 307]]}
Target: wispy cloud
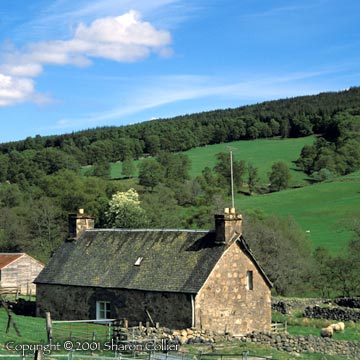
{"points": [[125, 38], [176, 88], [68, 13], [282, 10]]}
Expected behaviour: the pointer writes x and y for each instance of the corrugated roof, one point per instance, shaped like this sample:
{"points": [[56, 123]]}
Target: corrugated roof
{"points": [[8, 258], [173, 260]]}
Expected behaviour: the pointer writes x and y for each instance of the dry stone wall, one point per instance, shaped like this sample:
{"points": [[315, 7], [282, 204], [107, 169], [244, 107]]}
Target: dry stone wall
{"points": [[336, 313], [281, 342], [309, 344], [353, 302], [285, 306]]}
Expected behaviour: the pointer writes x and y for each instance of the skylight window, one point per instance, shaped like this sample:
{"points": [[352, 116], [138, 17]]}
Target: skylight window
{"points": [[138, 261]]}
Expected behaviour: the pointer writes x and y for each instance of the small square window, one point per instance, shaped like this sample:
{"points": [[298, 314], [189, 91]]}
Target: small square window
{"points": [[103, 310], [138, 261], [249, 280]]}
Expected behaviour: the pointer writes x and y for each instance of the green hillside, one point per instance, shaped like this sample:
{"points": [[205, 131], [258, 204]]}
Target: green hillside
{"points": [[326, 209], [262, 153]]}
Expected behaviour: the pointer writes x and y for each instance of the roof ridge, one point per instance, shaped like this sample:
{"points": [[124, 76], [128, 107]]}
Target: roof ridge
{"points": [[152, 230], [12, 253]]}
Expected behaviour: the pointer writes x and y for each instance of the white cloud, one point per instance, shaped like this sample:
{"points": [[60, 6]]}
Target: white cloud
{"points": [[124, 38], [22, 70], [124, 29], [13, 90]]}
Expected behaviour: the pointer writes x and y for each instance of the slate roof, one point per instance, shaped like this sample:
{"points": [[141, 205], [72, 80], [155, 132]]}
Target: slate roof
{"points": [[173, 260]]}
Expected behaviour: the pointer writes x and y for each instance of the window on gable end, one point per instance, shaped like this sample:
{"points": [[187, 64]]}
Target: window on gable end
{"points": [[249, 280]]}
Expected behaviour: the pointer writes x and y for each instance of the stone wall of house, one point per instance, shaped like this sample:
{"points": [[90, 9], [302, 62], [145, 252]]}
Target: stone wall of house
{"points": [[310, 344], [333, 313], [76, 303], [225, 305]]}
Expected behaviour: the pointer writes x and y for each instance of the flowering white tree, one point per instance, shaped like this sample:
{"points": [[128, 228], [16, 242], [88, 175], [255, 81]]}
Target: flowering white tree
{"points": [[125, 211]]}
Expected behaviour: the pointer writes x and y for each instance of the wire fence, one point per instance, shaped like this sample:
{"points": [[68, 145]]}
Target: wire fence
{"points": [[73, 356], [206, 356], [82, 330], [149, 356]]}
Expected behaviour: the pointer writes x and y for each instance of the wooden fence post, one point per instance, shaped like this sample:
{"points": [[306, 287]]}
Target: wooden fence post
{"points": [[38, 355], [48, 327]]}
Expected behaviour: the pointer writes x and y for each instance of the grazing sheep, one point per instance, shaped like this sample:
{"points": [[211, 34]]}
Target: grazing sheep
{"points": [[327, 332], [340, 326], [336, 327]]}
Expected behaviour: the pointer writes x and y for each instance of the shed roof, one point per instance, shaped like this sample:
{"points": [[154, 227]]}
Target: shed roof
{"points": [[8, 258]]}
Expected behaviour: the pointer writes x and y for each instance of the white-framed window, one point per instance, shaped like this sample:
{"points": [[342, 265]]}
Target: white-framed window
{"points": [[249, 280], [138, 261], [103, 310]]}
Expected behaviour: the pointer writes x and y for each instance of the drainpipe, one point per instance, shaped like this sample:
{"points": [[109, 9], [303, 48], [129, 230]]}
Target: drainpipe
{"points": [[192, 311]]}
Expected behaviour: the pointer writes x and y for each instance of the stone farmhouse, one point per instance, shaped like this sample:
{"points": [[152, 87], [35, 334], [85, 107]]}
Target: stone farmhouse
{"points": [[178, 278], [18, 271]]}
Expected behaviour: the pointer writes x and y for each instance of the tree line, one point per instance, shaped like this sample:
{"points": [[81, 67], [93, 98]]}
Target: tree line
{"points": [[337, 150], [294, 117]]}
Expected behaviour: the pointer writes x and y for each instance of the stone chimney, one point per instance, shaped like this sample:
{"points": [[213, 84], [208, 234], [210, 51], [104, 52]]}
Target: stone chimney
{"points": [[79, 222], [227, 226]]}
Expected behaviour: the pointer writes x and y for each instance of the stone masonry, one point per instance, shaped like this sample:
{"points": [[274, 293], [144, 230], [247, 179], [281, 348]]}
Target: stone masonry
{"points": [[233, 307]]}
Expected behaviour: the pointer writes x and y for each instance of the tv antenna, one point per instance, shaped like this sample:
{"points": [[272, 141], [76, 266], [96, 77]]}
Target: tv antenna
{"points": [[231, 175]]}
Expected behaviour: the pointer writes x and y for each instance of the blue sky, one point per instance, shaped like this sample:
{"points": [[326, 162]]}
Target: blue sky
{"points": [[69, 65]]}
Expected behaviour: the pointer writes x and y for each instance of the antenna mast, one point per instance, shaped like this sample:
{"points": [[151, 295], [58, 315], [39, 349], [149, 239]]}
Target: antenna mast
{"points": [[231, 175], [232, 180]]}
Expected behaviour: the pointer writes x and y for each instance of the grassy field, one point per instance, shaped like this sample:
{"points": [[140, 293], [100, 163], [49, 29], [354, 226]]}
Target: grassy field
{"points": [[261, 153], [326, 209], [32, 330], [298, 325]]}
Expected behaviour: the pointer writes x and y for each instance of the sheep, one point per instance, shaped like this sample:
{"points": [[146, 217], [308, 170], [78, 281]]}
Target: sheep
{"points": [[327, 332], [335, 327], [340, 326]]}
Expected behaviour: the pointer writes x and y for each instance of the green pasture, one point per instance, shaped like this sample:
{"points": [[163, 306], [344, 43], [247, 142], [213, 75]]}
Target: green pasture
{"points": [[31, 330], [327, 210], [261, 153]]}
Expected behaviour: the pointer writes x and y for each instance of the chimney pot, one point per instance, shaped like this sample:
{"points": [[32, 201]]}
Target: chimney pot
{"points": [[227, 226], [79, 222]]}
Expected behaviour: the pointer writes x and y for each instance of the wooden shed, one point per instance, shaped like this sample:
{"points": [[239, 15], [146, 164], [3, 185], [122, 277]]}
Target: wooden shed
{"points": [[18, 271]]}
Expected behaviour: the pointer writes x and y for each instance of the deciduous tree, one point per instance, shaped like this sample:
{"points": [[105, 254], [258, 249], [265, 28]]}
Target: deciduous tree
{"points": [[279, 176], [151, 173], [125, 211]]}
